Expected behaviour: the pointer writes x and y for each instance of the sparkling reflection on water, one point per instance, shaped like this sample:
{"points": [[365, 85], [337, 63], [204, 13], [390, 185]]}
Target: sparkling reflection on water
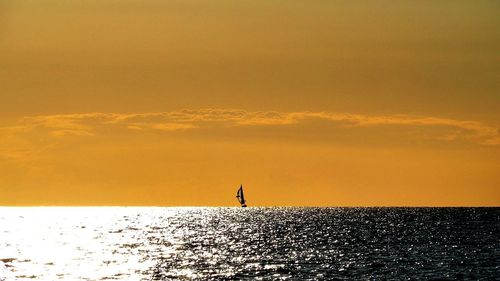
{"points": [[117, 243]]}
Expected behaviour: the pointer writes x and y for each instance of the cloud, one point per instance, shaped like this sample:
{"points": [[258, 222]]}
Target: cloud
{"points": [[172, 126], [96, 123], [62, 133]]}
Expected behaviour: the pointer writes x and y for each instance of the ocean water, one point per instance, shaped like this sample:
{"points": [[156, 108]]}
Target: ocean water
{"points": [[120, 243]]}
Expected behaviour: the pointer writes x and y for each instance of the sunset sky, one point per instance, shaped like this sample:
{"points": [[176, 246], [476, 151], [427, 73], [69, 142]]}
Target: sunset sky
{"points": [[305, 103]]}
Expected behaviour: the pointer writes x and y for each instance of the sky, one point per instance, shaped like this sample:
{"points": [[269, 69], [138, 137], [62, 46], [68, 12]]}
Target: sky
{"points": [[305, 103]]}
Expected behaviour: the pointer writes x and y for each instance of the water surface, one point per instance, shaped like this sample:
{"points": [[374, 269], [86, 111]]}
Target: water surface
{"points": [[118, 243]]}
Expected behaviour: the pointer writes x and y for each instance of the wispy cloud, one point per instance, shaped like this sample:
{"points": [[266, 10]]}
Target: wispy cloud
{"points": [[92, 124]]}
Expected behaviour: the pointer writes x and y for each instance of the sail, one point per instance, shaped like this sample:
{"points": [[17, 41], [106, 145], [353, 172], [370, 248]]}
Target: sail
{"points": [[241, 196]]}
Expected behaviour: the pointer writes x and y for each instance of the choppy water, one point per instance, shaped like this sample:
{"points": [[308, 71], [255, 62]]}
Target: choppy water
{"points": [[252, 243]]}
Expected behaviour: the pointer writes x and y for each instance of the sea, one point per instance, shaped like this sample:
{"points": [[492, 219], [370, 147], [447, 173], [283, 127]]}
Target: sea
{"points": [[219, 243]]}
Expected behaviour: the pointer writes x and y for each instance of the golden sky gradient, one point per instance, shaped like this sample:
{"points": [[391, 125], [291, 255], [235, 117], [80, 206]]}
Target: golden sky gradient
{"points": [[317, 103]]}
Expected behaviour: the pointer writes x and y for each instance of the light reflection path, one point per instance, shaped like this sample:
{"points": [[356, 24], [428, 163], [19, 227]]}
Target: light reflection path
{"points": [[82, 243]]}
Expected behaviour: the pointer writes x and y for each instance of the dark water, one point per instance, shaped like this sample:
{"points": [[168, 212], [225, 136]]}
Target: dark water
{"points": [[254, 244]]}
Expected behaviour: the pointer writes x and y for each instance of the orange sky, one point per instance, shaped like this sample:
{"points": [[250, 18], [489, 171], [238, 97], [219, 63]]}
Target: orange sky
{"points": [[317, 103]]}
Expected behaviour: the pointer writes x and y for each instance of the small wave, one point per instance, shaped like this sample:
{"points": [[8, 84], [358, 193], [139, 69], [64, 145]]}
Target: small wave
{"points": [[5, 273]]}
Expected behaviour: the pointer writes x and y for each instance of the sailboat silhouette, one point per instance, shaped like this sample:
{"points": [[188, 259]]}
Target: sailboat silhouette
{"points": [[241, 196]]}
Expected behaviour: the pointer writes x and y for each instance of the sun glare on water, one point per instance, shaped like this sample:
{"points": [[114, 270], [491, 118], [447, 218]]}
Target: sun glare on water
{"points": [[80, 242]]}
